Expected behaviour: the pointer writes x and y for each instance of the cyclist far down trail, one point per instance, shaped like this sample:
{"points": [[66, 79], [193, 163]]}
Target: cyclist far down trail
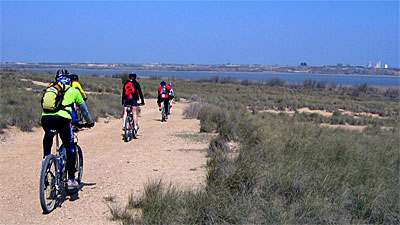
{"points": [[164, 94], [57, 103], [131, 92]]}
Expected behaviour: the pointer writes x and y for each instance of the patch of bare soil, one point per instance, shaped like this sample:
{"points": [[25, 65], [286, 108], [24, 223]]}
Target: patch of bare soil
{"points": [[112, 167]]}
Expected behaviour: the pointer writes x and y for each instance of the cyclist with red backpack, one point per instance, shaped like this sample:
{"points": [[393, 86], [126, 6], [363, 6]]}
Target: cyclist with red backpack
{"points": [[130, 95], [164, 94]]}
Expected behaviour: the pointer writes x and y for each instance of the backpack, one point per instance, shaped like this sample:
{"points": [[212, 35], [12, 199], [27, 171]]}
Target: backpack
{"points": [[129, 89], [164, 92], [52, 97]]}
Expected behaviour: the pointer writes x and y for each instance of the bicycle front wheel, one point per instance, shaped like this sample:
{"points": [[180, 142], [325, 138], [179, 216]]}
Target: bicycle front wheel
{"points": [[78, 169], [79, 115], [48, 179], [78, 163]]}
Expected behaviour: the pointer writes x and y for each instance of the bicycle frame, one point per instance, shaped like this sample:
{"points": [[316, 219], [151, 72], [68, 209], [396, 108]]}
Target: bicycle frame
{"points": [[61, 158]]}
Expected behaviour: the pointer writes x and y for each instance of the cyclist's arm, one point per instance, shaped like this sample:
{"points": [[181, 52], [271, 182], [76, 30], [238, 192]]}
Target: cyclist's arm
{"points": [[140, 93], [85, 112]]}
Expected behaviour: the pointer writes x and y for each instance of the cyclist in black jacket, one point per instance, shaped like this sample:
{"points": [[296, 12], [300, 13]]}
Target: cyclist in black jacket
{"points": [[130, 96]]}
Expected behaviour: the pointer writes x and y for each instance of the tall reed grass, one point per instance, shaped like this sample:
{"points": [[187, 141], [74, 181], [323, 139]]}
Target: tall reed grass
{"points": [[288, 173]]}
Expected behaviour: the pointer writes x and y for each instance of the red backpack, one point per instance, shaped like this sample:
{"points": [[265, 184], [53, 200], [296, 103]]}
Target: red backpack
{"points": [[129, 89]]}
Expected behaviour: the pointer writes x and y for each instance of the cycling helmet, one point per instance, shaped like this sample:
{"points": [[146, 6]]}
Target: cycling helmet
{"points": [[163, 83], [64, 80], [132, 75], [61, 72], [74, 77]]}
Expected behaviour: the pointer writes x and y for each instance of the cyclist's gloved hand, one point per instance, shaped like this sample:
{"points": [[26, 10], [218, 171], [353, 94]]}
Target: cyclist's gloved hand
{"points": [[142, 103], [85, 99]]}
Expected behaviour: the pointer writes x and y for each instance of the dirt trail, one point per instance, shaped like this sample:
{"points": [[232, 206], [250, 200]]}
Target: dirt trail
{"points": [[111, 167]]}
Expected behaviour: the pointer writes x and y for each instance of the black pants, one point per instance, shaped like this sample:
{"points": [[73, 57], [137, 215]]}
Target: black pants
{"points": [[63, 126], [166, 104]]}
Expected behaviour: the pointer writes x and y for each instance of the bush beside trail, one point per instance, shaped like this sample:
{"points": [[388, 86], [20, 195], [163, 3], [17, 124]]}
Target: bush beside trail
{"points": [[287, 173]]}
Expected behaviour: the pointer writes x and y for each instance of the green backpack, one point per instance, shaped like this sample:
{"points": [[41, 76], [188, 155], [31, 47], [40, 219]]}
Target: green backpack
{"points": [[52, 97]]}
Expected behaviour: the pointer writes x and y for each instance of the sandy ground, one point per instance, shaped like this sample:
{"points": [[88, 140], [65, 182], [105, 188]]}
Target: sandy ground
{"points": [[112, 167]]}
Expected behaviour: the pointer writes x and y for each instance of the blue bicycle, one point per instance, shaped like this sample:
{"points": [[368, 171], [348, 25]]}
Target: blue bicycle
{"points": [[53, 177]]}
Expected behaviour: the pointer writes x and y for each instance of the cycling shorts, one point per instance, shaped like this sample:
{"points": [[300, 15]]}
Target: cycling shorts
{"points": [[131, 102]]}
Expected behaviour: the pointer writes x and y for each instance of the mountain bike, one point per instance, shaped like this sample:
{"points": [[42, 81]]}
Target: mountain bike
{"points": [[53, 176], [164, 115], [129, 127]]}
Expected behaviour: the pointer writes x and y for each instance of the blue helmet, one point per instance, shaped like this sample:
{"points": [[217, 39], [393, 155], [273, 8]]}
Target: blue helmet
{"points": [[163, 83], [61, 73], [64, 80]]}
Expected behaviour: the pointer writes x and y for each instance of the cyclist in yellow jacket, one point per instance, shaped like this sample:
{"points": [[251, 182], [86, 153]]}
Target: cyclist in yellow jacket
{"points": [[75, 83], [61, 121]]}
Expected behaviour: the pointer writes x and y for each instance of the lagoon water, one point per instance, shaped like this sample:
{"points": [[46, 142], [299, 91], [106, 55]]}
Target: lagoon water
{"points": [[382, 81]]}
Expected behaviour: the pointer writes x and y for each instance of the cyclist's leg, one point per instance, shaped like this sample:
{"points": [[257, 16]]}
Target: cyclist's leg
{"points": [[124, 117], [67, 138], [48, 123], [159, 100], [135, 117]]}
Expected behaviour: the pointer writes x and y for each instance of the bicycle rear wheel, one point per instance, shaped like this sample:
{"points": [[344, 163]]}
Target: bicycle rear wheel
{"points": [[127, 130], [163, 115], [48, 191], [134, 132]]}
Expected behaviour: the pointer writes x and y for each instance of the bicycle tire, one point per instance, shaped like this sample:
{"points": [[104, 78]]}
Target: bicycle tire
{"points": [[78, 169], [127, 131], [48, 191], [79, 163], [163, 115], [134, 133], [79, 115]]}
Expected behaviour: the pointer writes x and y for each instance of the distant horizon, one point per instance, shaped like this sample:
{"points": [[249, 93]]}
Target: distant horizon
{"points": [[161, 63], [319, 33]]}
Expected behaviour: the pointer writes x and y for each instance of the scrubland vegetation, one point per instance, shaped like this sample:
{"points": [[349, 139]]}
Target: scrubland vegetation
{"points": [[287, 170]]}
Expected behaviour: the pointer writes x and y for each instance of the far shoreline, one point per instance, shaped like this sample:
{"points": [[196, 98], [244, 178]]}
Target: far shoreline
{"points": [[124, 70]]}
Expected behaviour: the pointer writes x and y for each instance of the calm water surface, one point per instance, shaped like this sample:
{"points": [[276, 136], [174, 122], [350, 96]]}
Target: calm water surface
{"points": [[382, 81]]}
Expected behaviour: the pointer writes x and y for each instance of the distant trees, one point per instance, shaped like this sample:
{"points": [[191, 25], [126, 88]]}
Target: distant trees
{"points": [[303, 64]]}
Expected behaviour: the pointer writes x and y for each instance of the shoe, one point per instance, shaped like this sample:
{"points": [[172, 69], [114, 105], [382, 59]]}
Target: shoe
{"points": [[159, 108], [72, 184], [136, 127]]}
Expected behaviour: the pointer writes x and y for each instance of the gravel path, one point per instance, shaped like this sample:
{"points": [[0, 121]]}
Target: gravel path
{"points": [[111, 167]]}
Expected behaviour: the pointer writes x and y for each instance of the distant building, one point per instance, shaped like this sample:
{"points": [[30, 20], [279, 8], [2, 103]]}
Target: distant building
{"points": [[378, 65], [386, 66], [369, 64]]}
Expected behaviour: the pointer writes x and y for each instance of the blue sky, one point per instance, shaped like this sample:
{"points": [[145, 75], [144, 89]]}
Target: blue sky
{"points": [[201, 32]]}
